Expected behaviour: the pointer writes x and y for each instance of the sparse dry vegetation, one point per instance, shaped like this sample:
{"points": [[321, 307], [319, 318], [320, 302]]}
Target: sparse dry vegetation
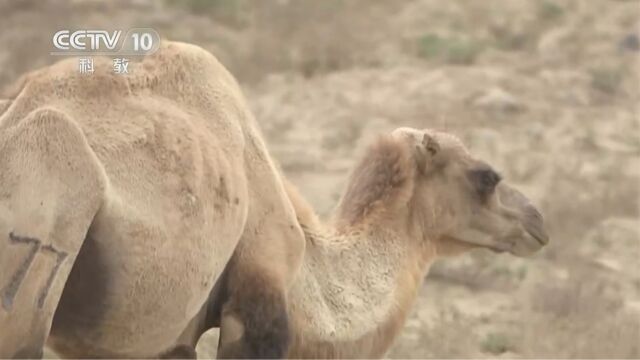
{"points": [[607, 79], [325, 77], [450, 50], [496, 343]]}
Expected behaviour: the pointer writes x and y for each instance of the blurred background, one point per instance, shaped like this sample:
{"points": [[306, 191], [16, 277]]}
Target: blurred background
{"points": [[547, 91]]}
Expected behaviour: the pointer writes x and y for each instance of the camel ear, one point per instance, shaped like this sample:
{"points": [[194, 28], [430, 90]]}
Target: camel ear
{"points": [[425, 151], [430, 145], [424, 145]]}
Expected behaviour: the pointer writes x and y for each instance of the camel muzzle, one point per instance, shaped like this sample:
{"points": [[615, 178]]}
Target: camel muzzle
{"points": [[529, 216]]}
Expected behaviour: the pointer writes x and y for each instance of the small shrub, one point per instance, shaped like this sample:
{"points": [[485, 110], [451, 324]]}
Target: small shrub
{"points": [[464, 53], [550, 11], [430, 46], [509, 39], [451, 50], [496, 343], [607, 80], [522, 272]]}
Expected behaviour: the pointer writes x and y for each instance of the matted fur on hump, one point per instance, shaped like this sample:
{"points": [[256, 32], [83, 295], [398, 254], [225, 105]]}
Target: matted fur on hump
{"points": [[381, 182]]}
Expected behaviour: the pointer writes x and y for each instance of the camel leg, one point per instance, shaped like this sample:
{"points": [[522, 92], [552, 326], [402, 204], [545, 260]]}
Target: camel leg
{"points": [[254, 322], [248, 304], [253, 318], [51, 187]]}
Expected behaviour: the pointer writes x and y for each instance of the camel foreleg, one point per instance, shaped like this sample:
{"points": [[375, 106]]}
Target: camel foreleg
{"points": [[254, 321], [50, 189]]}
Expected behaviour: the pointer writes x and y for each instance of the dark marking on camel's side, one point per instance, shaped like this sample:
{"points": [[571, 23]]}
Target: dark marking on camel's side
{"points": [[222, 191], [10, 291], [222, 194], [60, 256]]}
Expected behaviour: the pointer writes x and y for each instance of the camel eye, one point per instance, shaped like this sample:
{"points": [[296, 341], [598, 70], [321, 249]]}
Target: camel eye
{"points": [[484, 181]]}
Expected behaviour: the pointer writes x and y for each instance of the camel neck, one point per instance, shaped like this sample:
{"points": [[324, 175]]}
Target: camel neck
{"points": [[353, 292]]}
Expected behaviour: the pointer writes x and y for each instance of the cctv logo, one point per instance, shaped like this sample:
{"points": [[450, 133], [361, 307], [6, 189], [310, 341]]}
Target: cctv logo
{"points": [[132, 42], [86, 39]]}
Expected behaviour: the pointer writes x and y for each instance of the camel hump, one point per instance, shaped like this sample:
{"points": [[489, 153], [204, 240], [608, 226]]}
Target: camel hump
{"points": [[51, 187]]}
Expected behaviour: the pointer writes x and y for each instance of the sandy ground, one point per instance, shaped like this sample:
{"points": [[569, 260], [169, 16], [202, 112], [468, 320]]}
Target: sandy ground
{"points": [[547, 91]]}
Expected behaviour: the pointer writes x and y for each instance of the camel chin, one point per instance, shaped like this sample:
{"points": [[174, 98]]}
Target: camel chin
{"points": [[527, 247]]}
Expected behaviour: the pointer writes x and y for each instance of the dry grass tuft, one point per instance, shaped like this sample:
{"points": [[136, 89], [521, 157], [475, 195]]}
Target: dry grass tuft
{"points": [[450, 50]]}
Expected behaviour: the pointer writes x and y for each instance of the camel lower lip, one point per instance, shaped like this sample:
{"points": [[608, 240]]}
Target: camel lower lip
{"points": [[500, 248], [536, 231], [542, 240]]}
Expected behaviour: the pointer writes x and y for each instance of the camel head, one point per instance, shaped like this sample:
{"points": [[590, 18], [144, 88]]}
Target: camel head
{"points": [[463, 203]]}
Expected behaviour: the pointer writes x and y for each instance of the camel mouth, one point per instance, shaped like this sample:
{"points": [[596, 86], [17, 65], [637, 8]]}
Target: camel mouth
{"points": [[529, 217], [534, 225], [497, 249], [541, 237], [500, 248], [529, 239]]}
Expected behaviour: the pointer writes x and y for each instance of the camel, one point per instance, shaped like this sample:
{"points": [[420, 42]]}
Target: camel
{"points": [[417, 195], [123, 198], [151, 212]]}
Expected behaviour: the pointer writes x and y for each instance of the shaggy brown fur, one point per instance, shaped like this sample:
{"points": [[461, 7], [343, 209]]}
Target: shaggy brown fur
{"points": [[380, 183]]}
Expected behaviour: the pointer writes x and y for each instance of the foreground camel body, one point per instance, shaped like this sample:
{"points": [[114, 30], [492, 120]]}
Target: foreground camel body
{"points": [[122, 198], [146, 259]]}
